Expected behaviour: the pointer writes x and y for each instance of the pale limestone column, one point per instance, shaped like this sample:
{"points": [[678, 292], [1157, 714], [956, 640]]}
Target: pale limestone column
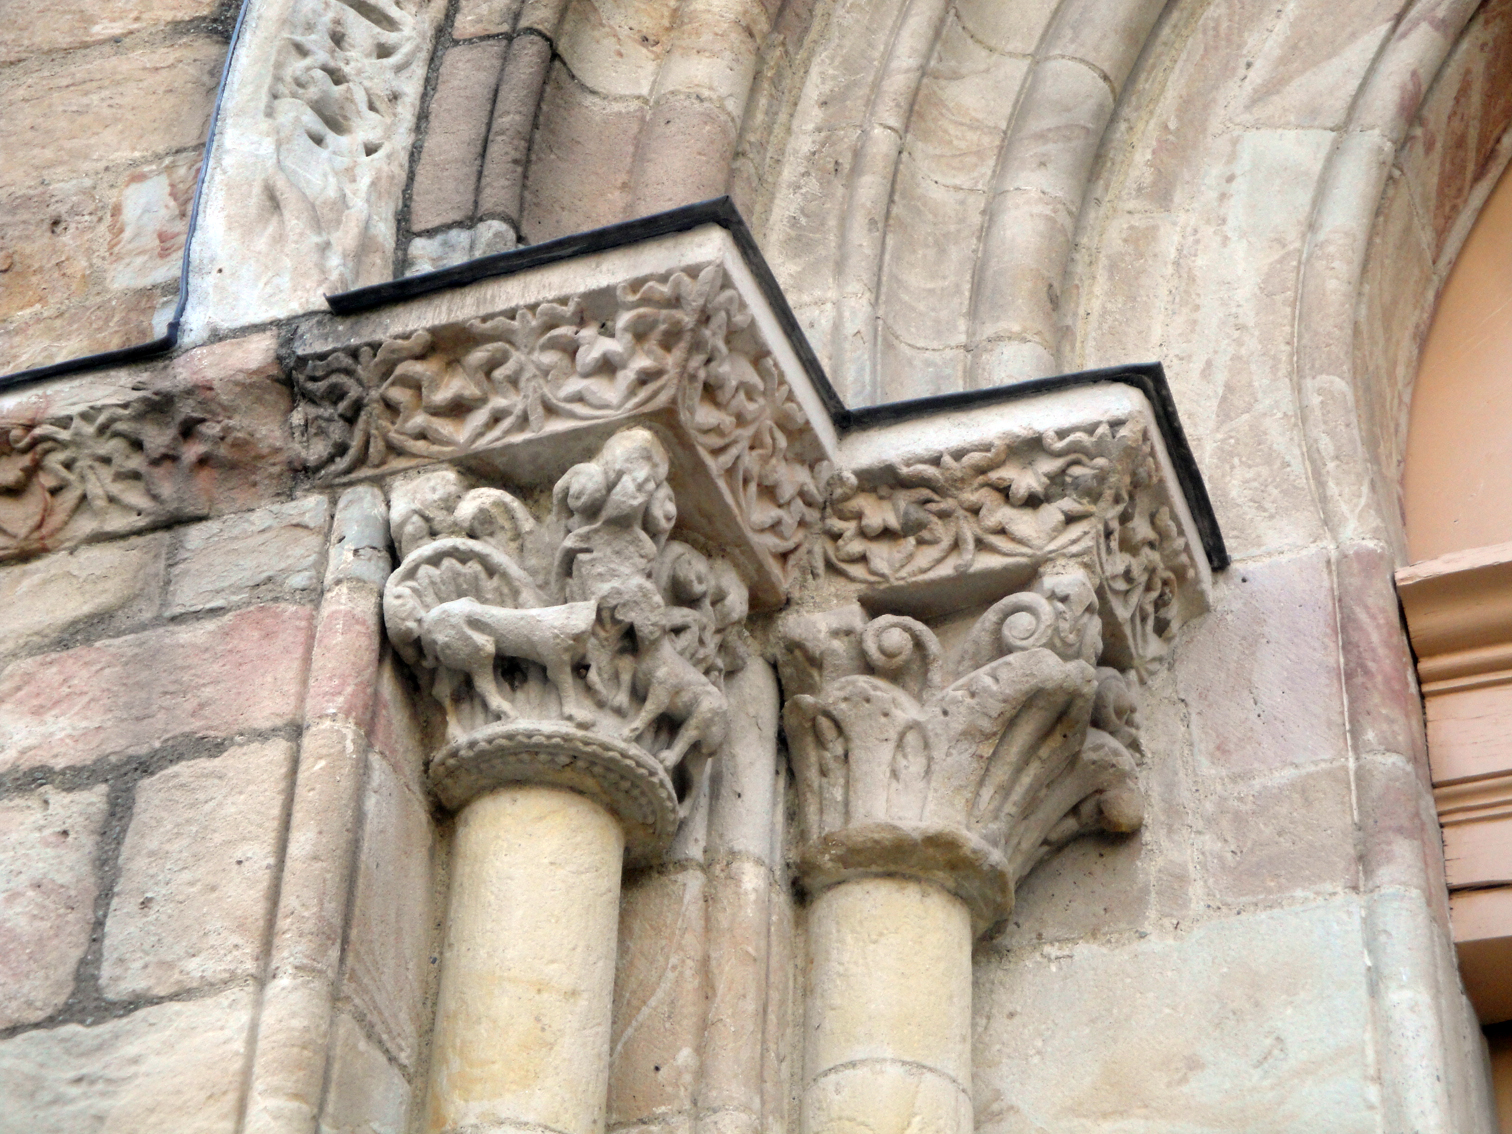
{"points": [[888, 1035], [522, 1021]]}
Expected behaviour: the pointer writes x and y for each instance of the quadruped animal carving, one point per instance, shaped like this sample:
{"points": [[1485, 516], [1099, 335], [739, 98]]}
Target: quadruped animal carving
{"points": [[465, 637], [598, 605]]}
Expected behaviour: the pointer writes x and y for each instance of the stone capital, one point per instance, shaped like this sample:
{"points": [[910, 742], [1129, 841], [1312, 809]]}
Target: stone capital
{"points": [[1012, 573]]}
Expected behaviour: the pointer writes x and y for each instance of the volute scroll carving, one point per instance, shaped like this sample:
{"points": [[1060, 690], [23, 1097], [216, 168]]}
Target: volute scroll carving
{"points": [[963, 767], [587, 649]]}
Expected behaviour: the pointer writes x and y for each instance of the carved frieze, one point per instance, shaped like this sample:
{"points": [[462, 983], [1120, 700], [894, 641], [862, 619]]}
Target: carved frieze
{"points": [[117, 467], [970, 521], [677, 349]]}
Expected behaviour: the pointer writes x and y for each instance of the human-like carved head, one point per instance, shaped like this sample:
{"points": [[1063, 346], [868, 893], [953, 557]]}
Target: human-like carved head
{"points": [[424, 509], [1078, 632]]}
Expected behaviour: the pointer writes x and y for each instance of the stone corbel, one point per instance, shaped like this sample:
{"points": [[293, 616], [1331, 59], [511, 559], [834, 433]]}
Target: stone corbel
{"points": [[1012, 573]]}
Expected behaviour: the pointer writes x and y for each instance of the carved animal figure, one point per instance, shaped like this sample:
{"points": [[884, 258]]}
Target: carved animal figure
{"points": [[464, 637], [671, 686]]}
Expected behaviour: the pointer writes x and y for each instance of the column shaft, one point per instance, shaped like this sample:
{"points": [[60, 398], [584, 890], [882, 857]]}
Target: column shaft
{"points": [[888, 1036], [527, 980]]}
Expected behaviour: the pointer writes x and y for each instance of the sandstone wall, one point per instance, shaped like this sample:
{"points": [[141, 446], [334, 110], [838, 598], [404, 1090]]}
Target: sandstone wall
{"points": [[103, 114], [1265, 196]]}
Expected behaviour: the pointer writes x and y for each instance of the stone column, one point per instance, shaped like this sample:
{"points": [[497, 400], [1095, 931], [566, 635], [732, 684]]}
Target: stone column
{"points": [[578, 664], [522, 1023], [928, 785], [888, 1041]]}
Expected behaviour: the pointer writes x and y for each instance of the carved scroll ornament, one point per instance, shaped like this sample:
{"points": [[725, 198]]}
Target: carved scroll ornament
{"points": [[963, 768], [673, 350], [111, 469], [587, 650], [1018, 503]]}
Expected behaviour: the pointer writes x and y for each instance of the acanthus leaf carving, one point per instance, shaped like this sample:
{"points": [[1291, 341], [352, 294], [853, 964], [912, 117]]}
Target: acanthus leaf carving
{"points": [[965, 767]]}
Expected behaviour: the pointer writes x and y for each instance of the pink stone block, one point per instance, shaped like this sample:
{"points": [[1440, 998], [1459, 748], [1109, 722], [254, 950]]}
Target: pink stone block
{"points": [[239, 673]]}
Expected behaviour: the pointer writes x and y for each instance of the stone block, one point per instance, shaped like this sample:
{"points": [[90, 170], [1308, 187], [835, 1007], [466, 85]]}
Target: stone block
{"points": [[1093, 885], [684, 153], [238, 673], [176, 1066], [77, 23], [438, 250], [114, 582], [1293, 834], [928, 266], [446, 179], [614, 49], [1385, 711], [1261, 672], [1311, 64], [389, 941], [486, 17], [1008, 29], [580, 160], [659, 997], [61, 116], [397, 734], [1256, 1022], [198, 870], [521, 82], [48, 842], [48, 336], [273, 553], [367, 1094], [148, 220], [1233, 328], [960, 114], [237, 382], [47, 242]]}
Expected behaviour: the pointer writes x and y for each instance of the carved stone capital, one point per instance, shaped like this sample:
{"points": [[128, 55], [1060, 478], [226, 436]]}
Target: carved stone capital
{"points": [[973, 707]]}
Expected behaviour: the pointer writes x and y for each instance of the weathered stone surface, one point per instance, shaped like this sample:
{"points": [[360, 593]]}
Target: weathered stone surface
{"points": [[47, 240], [48, 842], [580, 160], [1261, 672], [77, 23], [1285, 989], [397, 733], [176, 1066], [194, 897], [42, 599], [148, 221], [1293, 834], [367, 1094], [141, 447], [49, 336], [389, 941], [241, 672], [275, 552], [451, 156], [485, 17], [106, 105], [660, 997]]}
